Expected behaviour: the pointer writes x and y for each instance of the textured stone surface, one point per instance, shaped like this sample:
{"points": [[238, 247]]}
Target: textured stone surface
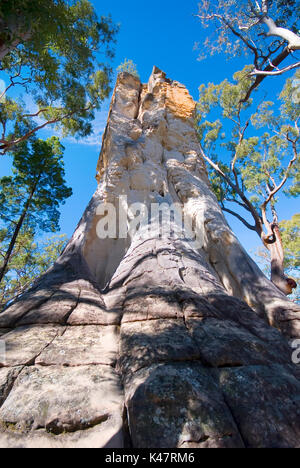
{"points": [[56, 310], [91, 310], [151, 341], [27, 302], [7, 378], [184, 408], [61, 399], [108, 434], [156, 305], [82, 345], [272, 418], [226, 344], [24, 344]]}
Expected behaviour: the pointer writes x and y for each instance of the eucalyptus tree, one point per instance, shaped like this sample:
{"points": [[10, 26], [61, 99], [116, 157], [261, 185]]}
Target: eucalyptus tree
{"points": [[58, 53], [290, 235], [268, 30], [30, 198], [253, 157], [29, 260]]}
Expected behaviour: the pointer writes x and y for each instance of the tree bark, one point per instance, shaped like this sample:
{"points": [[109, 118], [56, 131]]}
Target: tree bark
{"points": [[11, 36], [292, 39], [278, 277], [272, 241], [151, 340], [269, 68], [18, 227]]}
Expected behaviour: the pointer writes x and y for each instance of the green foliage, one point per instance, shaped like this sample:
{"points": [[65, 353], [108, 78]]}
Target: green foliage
{"points": [[129, 67], [290, 235], [37, 185], [29, 260], [234, 27], [51, 49], [267, 30], [287, 13], [226, 96], [258, 151]]}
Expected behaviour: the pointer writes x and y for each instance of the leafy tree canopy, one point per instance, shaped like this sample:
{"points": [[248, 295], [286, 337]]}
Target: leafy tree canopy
{"points": [[252, 153], [268, 30], [30, 198], [290, 234], [58, 52], [28, 262], [37, 181]]}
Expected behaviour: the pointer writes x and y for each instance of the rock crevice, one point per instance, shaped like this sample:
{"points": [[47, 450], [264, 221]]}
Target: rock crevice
{"points": [[151, 339]]}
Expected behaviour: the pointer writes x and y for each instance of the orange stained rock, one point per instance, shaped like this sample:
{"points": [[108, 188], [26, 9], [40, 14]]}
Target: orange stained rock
{"points": [[179, 101]]}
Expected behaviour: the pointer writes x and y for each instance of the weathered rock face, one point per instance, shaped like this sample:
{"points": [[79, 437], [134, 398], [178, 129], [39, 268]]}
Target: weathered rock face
{"points": [[153, 340]]}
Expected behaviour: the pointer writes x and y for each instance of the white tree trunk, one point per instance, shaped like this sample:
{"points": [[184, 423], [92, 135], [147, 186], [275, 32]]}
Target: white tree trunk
{"points": [[289, 36]]}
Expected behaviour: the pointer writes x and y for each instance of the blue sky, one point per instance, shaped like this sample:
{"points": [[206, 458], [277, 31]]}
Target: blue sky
{"points": [[160, 33]]}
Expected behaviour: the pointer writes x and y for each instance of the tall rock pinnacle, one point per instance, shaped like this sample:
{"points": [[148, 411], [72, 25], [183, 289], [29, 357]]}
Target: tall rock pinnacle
{"points": [[154, 328]]}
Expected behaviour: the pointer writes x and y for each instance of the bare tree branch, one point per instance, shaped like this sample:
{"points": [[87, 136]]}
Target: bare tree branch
{"points": [[233, 213], [277, 61], [5, 145], [233, 200], [274, 73], [235, 32], [278, 187], [255, 15], [256, 217], [290, 37]]}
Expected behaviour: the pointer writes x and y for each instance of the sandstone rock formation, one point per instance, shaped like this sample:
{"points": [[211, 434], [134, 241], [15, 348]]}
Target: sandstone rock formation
{"points": [[151, 341]]}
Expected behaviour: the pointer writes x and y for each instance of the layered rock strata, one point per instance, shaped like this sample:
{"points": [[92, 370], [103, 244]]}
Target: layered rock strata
{"points": [[151, 339]]}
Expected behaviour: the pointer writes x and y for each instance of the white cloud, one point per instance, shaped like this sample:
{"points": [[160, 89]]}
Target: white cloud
{"points": [[95, 138]]}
